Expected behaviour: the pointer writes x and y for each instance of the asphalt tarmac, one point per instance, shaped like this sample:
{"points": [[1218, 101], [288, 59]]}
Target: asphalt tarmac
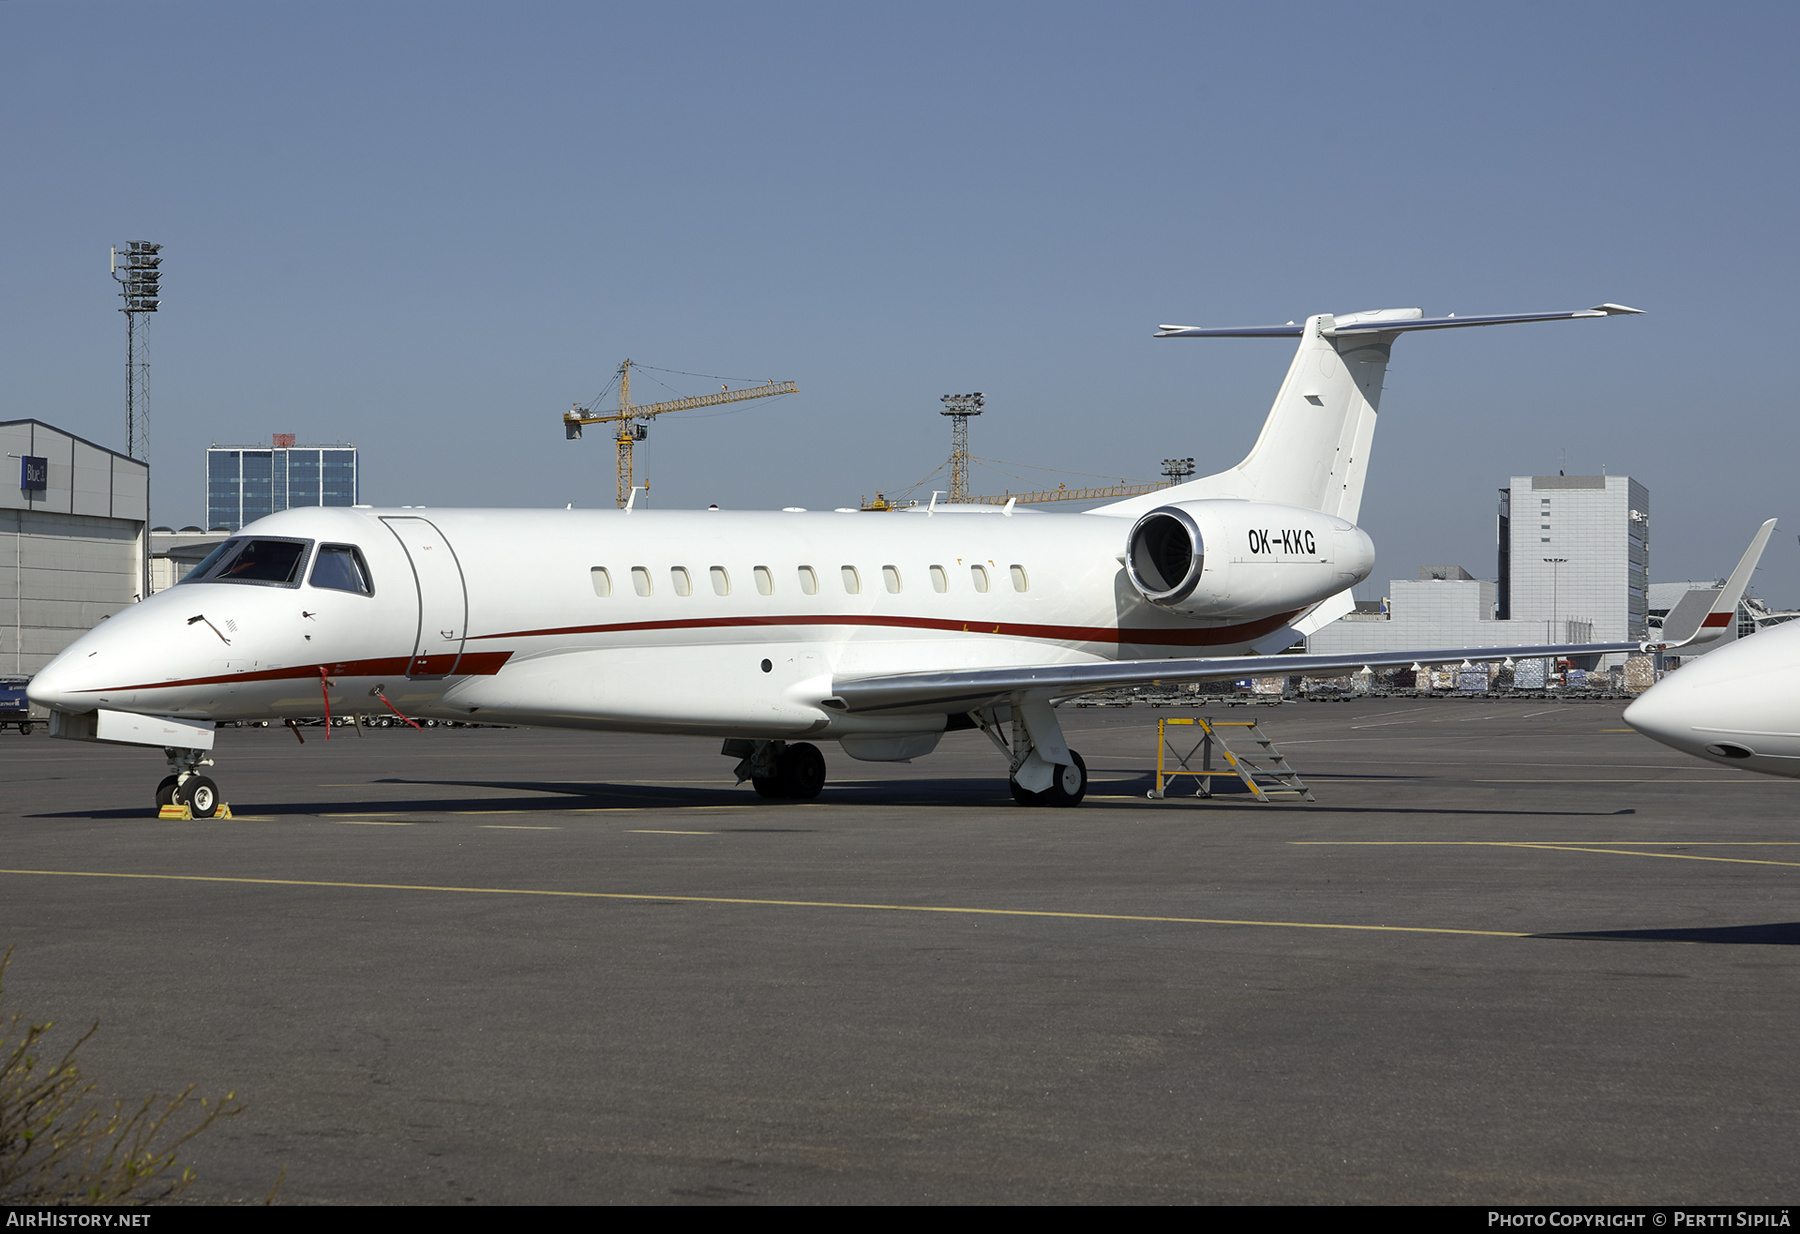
{"points": [[1514, 953]]}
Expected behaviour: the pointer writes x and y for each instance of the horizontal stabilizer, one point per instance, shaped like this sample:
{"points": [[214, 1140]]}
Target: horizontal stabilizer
{"points": [[1385, 321], [971, 689]]}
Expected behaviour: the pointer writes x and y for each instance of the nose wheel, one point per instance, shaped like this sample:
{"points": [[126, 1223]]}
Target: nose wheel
{"points": [[187, 787]]}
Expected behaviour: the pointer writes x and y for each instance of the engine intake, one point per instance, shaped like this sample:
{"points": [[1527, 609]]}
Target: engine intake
{"points": [[1223, 559], [1165, 555]]}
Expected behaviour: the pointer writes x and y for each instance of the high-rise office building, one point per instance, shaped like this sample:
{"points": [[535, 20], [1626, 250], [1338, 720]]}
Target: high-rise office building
{"points": [[245, 483], [1575, 548]]}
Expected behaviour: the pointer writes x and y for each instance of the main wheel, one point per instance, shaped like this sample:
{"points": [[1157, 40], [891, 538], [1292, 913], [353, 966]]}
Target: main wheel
{"points": [[768, 786], [1070, 784], [200, 795], [165, 792], [802, 770], [1067, 786]]}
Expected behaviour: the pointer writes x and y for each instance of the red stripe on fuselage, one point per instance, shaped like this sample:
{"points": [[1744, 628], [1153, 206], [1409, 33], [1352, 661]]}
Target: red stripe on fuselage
{"points": [[472, 664], [1139, 636], [487, 663]]}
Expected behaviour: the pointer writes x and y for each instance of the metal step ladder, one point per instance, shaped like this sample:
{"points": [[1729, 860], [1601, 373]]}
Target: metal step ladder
{"points": [[1264, 770]]}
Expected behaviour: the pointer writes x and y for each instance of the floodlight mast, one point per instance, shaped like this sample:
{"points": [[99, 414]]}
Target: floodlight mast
{"points": [[960, 407], [138, 271]]}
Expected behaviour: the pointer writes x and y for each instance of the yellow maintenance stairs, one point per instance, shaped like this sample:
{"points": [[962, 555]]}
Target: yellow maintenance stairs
{"points": [[1256, 760]]}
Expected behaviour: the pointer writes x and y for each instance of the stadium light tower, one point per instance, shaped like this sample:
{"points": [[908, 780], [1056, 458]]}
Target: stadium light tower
{"points": [[138, 271], [960, 407]]}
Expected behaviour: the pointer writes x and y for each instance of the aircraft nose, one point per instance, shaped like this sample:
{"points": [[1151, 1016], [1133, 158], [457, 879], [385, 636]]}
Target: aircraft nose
{"points": [[54, 685], [1658, 715]]}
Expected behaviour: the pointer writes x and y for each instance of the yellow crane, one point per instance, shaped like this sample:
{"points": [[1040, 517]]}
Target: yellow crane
{"points": [[1064, 493], [632, 418]]}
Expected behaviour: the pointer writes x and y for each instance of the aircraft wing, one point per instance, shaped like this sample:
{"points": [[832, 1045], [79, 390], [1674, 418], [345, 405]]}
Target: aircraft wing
{"points": [[972, 689]]}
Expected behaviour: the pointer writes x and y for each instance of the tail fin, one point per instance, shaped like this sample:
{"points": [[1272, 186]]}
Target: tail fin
{"points": [[1705, 614], [1313, 451]]}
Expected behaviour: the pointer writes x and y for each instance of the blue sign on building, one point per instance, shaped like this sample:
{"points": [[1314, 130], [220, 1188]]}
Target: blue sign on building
{"points": [[34, 473]]}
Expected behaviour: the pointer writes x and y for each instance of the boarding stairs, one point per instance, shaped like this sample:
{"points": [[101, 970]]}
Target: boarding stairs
{"points": [[1255, 760]]}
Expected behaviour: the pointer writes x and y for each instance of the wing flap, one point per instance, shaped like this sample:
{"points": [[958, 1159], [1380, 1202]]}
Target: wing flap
{"points": [[972, 689]]}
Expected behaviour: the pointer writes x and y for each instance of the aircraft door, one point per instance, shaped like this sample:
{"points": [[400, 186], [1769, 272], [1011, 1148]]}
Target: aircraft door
{"points": [[443, 598]]}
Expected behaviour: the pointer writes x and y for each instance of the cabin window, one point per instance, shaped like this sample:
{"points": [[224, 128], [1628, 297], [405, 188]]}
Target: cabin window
{"points": [[765, 582], [978, 574], [602, 581], [340, 567], [852, 581], [940, 581], [640, 580], [1020, 582], [678, 575], [890, 575], [809, 581], [721, 581]]}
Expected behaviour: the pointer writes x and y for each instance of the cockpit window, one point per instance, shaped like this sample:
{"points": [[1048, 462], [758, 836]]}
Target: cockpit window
{"points": [[340, 567], [225, 549], [268, 562]]}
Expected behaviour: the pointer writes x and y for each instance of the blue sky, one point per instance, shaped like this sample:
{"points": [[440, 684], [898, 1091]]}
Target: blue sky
{"points": [[429, 228]]}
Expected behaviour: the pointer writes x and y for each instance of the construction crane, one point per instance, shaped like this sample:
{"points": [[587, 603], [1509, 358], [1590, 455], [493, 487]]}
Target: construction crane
{"points": [[1174, 469], [633, 418], [1064, 493]]}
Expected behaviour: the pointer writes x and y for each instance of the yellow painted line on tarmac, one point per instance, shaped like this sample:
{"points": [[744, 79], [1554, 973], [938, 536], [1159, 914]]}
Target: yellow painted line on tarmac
{"points": [[760, 903], [1561, 848], [515, 827]]}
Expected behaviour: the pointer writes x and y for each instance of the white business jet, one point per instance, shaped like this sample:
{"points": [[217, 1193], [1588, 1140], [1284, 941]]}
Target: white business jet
{"points": [[1740, 705], [880, 631]]}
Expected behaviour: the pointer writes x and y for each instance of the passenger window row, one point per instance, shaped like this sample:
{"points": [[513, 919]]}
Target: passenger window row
{"points": [[682, 583]]}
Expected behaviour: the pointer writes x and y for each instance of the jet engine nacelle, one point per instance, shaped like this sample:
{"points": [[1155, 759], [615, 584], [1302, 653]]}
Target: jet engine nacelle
{"points": [[1243, 558]]}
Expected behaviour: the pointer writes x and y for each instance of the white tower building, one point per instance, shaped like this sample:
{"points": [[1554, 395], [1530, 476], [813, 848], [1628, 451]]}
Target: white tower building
{"points": [[1575, 549]]}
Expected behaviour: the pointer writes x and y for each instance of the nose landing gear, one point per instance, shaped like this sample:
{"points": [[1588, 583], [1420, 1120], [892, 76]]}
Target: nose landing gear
{"points": [[187, 787]]}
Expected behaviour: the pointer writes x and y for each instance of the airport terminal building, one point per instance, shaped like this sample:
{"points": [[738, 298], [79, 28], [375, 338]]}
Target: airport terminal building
{"points": [[1573, 566], [75, 515]]}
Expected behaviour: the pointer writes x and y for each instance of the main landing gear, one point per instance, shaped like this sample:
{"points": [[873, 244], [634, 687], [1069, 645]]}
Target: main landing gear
{"points": [[186, 786], [1067, 787], [1044, 771], [777, 768]]}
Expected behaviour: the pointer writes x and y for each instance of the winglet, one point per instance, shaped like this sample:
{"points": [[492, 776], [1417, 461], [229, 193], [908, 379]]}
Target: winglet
{"points": [[1680, 629]]}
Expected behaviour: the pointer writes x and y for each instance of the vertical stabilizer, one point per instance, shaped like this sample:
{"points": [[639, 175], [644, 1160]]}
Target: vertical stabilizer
{"points": [[1313, 451]]}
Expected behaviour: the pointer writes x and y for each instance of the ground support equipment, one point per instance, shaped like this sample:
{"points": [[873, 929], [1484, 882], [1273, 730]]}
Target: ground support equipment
{"points": [[1264, 771]]}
